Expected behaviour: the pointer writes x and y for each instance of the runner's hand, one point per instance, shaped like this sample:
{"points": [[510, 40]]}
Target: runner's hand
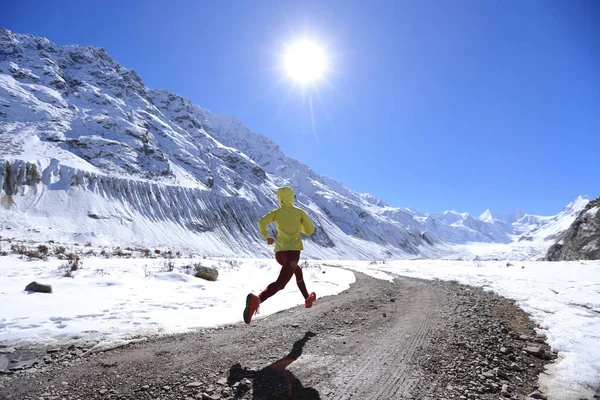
{"points": [[270, 240]]}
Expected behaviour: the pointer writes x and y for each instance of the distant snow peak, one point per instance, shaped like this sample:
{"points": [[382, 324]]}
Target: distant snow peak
{"points": [[578, 204], [488, 216]]}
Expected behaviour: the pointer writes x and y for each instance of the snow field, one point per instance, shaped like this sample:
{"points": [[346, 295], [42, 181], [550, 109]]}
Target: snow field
{"points": [[116, 299]]}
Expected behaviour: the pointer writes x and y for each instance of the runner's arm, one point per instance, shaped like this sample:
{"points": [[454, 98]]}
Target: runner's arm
{"points": [[307, 225], [264, 221]]}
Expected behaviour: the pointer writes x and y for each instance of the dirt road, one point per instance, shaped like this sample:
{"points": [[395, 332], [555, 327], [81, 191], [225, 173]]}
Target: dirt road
{"points": [[410, 339]]}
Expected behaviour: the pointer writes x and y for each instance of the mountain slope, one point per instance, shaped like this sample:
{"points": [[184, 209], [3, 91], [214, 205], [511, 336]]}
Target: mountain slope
{"points": [[89, 153], [582, 240], [145, 166]]}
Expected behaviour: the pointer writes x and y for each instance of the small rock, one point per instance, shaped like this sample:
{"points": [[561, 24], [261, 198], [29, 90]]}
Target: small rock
{"points": [[295, 325], [108, 364], [222, 382], [384, 315], [50, 351], [103, 391], [194, 384], [207, 273], [499, 373], [7, 350], [534, 350], [38, 287], [537, 395], [145, 387], [488, 374], [392, 300], [166, 387], [524, 337], [503, 350]]}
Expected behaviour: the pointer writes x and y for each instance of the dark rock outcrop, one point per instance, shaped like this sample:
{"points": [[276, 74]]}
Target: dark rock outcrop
{"points": [[582, 239]]}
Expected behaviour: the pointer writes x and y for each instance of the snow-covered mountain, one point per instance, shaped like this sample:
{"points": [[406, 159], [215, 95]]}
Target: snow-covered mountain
{"points": [[90, 154], [518, 235], [462, 227]]}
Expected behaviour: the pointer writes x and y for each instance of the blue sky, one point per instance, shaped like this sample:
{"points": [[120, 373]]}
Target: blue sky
{"points": [[436, 105]]}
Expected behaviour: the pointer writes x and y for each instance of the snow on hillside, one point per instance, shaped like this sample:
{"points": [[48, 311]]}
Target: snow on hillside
{"points": [[89, 153]]}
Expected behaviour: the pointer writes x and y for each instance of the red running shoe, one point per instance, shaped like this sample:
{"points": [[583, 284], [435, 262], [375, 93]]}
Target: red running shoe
{"points": [[308, 302], [252, 302]]}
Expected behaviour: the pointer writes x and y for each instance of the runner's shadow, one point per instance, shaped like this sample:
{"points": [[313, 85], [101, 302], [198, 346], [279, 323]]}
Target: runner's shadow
{"points": [[274, 382]]}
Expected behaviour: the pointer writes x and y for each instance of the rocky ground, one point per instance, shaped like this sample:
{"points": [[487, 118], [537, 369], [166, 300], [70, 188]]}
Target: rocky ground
{"points": [[410, 339]]}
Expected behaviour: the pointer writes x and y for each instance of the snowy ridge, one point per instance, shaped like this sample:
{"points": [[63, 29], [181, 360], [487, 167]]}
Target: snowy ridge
{"points": [[518, 235], [531, 235]]}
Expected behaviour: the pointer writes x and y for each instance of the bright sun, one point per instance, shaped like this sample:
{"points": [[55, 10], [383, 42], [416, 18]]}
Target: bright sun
{"points": [[305, 61]]}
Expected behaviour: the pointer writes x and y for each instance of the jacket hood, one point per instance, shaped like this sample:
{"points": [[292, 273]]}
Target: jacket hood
{"points": [[285, 196]]}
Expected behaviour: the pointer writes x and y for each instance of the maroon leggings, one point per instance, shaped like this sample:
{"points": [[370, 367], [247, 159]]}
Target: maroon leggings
{"points": [[289, 266]]}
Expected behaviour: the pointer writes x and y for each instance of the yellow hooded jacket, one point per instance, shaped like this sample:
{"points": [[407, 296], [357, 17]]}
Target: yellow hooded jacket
{"points": [[290, 221]]}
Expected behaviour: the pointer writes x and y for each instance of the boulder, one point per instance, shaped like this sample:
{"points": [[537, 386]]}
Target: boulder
{"points": [[210, 274], [38, 287]]}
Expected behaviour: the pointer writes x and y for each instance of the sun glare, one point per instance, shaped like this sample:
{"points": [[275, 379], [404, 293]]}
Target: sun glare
{"points": [[305, 61]]}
